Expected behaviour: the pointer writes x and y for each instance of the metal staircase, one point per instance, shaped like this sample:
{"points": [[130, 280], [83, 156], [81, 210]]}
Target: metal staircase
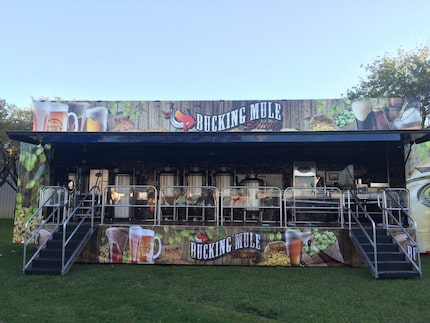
{"points": [[382, 253], [50, 259], [385, 259], [67, 237]]}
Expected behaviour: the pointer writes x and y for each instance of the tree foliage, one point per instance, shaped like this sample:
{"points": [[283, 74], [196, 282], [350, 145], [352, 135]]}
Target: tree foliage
{"points": [[11, 118], [405, 75]]}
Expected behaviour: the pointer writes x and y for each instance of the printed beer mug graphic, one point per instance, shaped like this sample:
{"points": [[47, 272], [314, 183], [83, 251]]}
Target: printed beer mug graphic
{"points": [[96, 119], [79, 109], [141, 243], [117, 238], [58, 119], [41, 114]]}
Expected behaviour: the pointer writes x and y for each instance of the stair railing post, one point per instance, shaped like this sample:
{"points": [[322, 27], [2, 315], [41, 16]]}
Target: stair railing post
{"points": [[102, 203], [65, 202], [349, 209], [384, 208], [63, 248], [375, 249], [24, 258], [93, 196]]}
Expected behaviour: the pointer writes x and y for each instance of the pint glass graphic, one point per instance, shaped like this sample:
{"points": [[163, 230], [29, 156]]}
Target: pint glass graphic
{"points": [[96, 119], [145, 252], [117, 238], [58, 119], [294, 241], [41, 114], [134, 237], [141, 242], [79, 109]]}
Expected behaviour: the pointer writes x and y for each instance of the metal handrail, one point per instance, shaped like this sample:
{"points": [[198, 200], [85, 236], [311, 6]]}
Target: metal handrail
{"points": [[94, 192], [388, 193], [352, 214], [227, 200], [131, 189], [186, 200], [315, 199], [44, 202]]}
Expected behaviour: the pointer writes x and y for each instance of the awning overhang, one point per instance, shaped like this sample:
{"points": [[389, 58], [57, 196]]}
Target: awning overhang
{"points": [[404, 136], [259, 151]]}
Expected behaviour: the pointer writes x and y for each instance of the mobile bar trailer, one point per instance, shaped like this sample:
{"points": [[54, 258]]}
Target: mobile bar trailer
{"points": [[258, 183]]}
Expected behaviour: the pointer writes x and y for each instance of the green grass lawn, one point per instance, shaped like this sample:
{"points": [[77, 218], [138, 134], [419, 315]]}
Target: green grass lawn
{"points": [[133, 293]]}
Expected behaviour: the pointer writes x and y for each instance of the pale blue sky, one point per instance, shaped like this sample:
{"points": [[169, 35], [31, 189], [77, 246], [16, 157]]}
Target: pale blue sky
{"points": [[198, 50]]}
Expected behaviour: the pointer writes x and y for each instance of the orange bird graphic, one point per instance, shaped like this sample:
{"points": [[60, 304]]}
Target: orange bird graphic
{"points": [[180, 119]]}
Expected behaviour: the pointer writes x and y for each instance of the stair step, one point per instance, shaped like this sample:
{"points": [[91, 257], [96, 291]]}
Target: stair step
{"points": [[398, 274], [59, 240], [388, 256], [394, 265], [54, 253], [83, 228], [57, 244], [379, 231], [43, 271], [55, 240], [49, 260], [392, 262], [46, 263], [381, 247], [379, 239]]}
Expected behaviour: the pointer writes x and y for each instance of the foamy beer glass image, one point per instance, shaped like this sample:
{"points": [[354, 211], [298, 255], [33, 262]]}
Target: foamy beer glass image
{"points": [[79, 109], [40, 115], [294, 244], [363, 114], [141, 242], [58, 118], [117, 238], [133, 242], [96, 119], [145, 251]]}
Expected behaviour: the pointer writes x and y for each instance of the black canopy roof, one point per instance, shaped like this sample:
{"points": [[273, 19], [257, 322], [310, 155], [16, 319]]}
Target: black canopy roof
{"points": [[220, 137]]}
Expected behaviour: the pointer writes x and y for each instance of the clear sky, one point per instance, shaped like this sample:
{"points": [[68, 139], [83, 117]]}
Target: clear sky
{"points": [[198, 49]]}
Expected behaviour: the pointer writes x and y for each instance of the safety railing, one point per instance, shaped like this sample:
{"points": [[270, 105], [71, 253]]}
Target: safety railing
{"points": [[53, 201], [245, 205], [129, 202], [395, 206], [397, 202], [188, 204], [317, 205], [356, 208], [70, 230]]}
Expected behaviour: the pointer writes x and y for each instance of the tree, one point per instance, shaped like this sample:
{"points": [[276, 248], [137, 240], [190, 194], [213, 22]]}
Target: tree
{"points": [[406, 75], [11, 118]]}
